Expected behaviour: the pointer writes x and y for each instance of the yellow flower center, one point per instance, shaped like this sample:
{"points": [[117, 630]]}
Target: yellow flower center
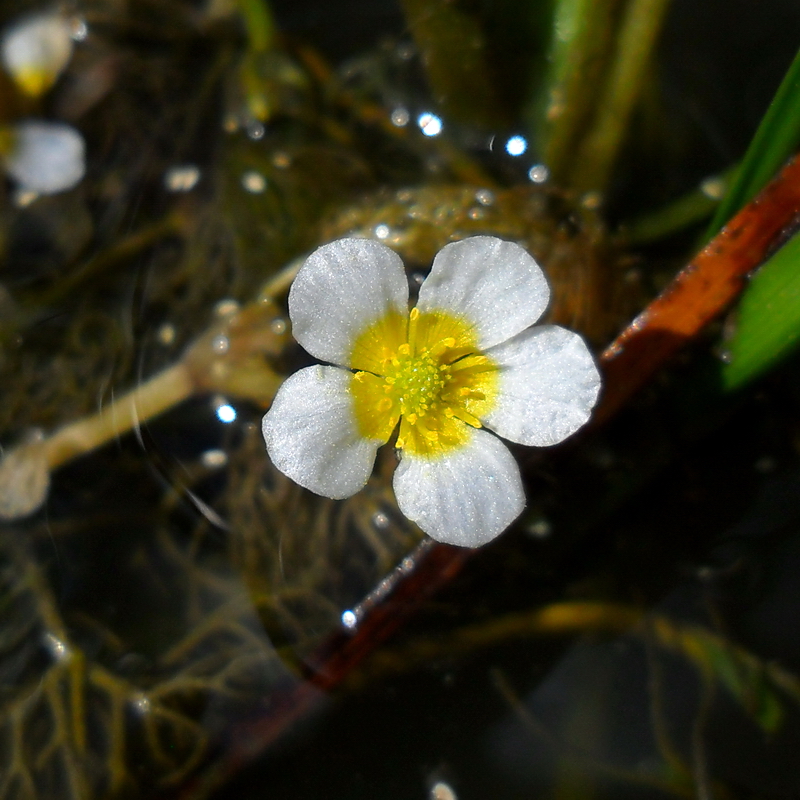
{"points": [[425, 371], [34, 80]]}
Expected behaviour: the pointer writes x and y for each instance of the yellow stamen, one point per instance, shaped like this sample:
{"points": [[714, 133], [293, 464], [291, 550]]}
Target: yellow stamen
{"points": [[428, 374]]}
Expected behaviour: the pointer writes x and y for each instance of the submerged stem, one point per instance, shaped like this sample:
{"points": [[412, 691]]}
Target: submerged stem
{"points": [[638, 33], [582, 37], [233, 357]]}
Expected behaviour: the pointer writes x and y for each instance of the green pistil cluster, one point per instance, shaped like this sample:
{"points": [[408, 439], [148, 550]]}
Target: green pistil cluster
{"points": [[417, 381]]}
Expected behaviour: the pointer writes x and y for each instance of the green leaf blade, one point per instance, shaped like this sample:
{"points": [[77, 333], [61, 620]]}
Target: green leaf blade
{"points": [[768, 328]]}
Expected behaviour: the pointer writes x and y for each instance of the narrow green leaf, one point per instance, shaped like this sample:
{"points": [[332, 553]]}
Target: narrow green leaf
{"points": [[768, 327], [690, 209], [776, 139]]}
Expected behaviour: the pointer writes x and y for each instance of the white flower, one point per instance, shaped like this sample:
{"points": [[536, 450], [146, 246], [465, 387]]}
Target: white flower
{"points": [[43, 157], [465, 357], [36, 49]]}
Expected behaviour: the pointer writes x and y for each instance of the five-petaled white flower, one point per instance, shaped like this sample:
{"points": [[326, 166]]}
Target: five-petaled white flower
{"points": [[465, 357]]}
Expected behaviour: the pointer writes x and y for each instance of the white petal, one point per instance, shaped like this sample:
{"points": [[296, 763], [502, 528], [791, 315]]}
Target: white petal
{"points": [[548, 385], [466, 497], [495, 285], [342, 288], [312, 435], [46, 157], [36, 49]]}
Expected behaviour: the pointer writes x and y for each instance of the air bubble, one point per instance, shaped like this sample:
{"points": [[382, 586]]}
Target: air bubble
{"points": [[538, 173], [221, 344]]}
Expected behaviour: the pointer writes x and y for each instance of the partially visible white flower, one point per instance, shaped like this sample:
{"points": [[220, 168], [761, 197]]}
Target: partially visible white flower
{"points": [[36, 49], [43, 157], [465, 357]]}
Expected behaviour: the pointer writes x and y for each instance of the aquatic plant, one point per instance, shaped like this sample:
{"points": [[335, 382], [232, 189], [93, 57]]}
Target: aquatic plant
{"points": [[174, 602], [464, 357]]}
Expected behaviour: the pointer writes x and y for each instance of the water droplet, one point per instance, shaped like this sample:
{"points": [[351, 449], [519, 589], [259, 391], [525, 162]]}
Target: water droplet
{"points": [[226, 413], [231, 123], [540, 528], [214, 459], [400, 117], [485, 197], [255, 130], [226, 307], [141, 704], [58, 649], [24, 197], [380, 521], [220, 344], [79, 30], [713, 187], [442, 791], [429, 124], [278, 326], [166, 334], [516, 145], [382, 231], [538, 173], [349, 619], [405, 50], [181, 177], [592, 200], [254, 182]]}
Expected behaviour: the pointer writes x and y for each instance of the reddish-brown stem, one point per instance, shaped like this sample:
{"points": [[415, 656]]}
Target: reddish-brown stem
{"points": [[700, 292]]}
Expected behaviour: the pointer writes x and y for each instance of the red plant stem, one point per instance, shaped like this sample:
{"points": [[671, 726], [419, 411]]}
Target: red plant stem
{"points": [[700, 292]]}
